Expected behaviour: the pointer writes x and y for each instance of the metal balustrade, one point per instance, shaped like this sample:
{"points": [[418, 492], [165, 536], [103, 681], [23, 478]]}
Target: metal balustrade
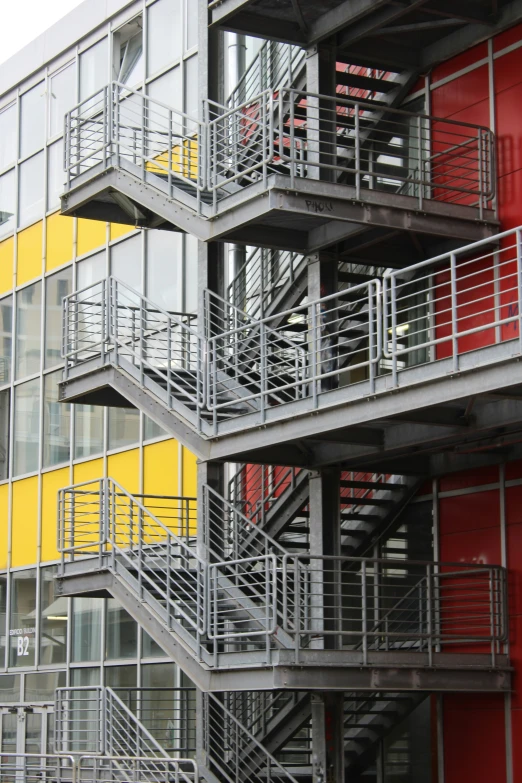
{"points": [[38, 768], [275, 64], [391, 150], [120, 126], [273, 600], [262, 277], [108, 769]]}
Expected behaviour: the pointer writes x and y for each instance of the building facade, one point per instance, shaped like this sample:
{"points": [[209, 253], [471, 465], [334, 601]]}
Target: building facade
{"points": [[260, 392]]}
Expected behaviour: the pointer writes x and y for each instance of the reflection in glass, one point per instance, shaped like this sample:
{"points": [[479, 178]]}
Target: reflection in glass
{"points": [[88, 430], [86, 629], [55, 174], [53, 614], [3, 621], [121, 632], [165, 270], [121, 677], [93, 69], [7, 202], [152, 430], [40, 686], [8, 136], [6, 339], [28, 330], [191, 95], [57, 423], [26, 427], [164, 34], [126, 262], [90, 270], [62, 97], [9, 688], [22, 624], [56, 287], [31, 197], [4, 437], [150, 648], [167, 89], [158, 675], [9, 731], [32, 120], [124, 427], [87, 675], [128, 50]]}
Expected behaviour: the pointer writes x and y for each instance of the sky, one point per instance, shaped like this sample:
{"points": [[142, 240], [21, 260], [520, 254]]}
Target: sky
{"points": [[24, 20]]}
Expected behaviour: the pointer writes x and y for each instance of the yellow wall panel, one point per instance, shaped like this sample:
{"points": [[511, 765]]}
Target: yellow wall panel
{"points": [[160, 468], [88, 471], [119, 230], [29, 263], [51, 483], [6, 265], [190, 483], [59, 241], [91, 235], [124, 468], [24, 522], [4, 527]]}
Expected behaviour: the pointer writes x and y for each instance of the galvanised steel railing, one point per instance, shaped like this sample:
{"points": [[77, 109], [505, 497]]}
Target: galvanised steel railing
{"points": [[307, 135], [262, 277], [138, 769], [112, 321], [371, 604], [169, 714], [38, 768], [257, 488], [234, 753], [275, 64], [118, 126]]}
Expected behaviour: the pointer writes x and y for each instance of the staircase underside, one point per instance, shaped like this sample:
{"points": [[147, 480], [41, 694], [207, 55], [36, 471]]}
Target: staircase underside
{"points": [[317, 670], [304, 216], [437, 420], [367, 31]]}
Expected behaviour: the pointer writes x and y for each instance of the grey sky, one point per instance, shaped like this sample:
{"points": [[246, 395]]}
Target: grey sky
{"points": [[24, 20]]}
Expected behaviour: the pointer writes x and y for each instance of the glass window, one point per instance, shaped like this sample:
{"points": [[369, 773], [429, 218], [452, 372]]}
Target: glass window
{"points": [[56, 288], [164, 34], [165, 269], [150, 649], [54, 615], [121, 677], [152, 430], [124, 427], [88, 430], [62, 97], [40, 686], [86, 629], [90, 270], [93, 69], [55, 174], [85, 676], [128, 51], [7, 202], [31, 198], [3, 623], [192, 24], [32, 120], [191, 91], [8, 136], [6, 339], [191, 278], [22, 625], [168, 90], [126, 262], [4, 438], [9, 688], [26, 427], [158, 675], [57, 423], [121, 632], [28, 330]]}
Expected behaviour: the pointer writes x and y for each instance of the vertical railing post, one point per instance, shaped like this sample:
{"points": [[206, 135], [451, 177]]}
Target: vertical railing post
{"points": [[264, 371], [429, 612], [169, 141], [454, 313], [421, 179], [518, 235], [357, 152], [314, 347], [480, 163], [364, 618], [393, 305], [371, 337]]}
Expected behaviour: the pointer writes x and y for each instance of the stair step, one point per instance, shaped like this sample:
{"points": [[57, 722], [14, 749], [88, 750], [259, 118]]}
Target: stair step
{"points": [[366, 501], [369, 83], [349, 484]]}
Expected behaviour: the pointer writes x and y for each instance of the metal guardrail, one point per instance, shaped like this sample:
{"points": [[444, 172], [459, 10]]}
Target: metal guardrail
{"points": [[273, 600], [307, 135], [275, 64], [144, 769], [117, 124], [38, 768], [261, 278]]}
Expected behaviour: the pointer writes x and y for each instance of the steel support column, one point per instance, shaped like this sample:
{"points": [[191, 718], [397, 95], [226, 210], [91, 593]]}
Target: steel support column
{"points": [[328, 738], [320, 79]]}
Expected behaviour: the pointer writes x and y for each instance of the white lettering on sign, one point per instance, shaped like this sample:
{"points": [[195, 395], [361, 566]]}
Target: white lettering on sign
{"points": [[22, 647]]}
